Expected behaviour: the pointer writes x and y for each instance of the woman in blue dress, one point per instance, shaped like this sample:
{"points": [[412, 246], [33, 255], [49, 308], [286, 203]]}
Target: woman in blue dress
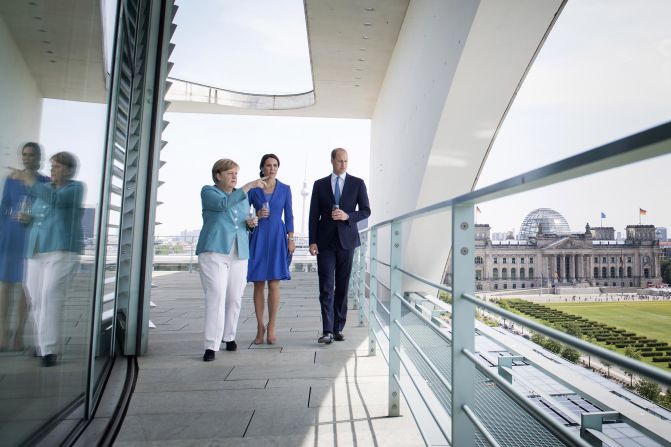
{"points": [[271, 245], [14, 220]]}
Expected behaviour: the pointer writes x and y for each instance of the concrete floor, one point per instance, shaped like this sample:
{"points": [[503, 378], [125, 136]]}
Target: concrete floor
{"points": [[293, 393]]}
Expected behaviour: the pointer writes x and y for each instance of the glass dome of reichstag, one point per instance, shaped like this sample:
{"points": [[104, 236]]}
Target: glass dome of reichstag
{"points": [[543, 220]]}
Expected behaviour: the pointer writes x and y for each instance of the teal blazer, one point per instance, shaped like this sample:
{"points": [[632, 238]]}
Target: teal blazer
{"points": [[56, 218], [224, 218]]}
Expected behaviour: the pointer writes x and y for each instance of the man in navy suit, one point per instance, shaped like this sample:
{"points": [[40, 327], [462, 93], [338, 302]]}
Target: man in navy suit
{"points": [[339, 201]]}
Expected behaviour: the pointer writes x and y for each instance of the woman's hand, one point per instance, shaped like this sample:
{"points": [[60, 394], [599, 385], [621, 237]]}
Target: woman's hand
{"points": [[259, 183], [24, 218], [291, 246], [252, 222], [263, 213]]}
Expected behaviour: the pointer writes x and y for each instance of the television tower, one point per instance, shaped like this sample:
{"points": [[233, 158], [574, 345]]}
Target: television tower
{"points": [[304, 193]]}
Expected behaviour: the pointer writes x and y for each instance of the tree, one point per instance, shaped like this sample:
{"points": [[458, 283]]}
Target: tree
{"points": [[607, 364], [634, 354], [570, 354], [648, 389], [538, 339], [665, 400], [553, 346], [666, 270]]}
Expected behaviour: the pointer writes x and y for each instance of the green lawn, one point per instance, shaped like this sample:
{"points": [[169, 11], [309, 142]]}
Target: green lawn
{"points": [[652, 319]]}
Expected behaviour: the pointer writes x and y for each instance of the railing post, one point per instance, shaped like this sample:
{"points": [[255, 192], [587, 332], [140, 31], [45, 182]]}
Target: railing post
{"points": [[395, 315], [463, 325], [361, 293], [372, 294], [353, 281]]}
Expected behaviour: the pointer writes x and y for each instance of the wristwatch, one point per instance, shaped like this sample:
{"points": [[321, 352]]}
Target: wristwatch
{"points": [[291, 238]]}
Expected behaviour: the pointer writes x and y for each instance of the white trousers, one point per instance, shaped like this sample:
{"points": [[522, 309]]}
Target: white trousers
{"points": [[224, 278], [47, 279]]}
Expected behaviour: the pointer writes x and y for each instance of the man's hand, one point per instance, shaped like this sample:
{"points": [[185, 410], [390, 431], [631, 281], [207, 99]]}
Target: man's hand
{"points": [[313, 249], [339, 214]]}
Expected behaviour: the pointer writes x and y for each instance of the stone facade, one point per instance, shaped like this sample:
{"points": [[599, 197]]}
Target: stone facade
{"points": [[590, 259]]}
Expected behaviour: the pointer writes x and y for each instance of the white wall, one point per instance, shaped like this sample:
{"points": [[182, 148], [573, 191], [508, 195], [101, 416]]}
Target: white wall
{"points": [[20, 110], [453, 74]]}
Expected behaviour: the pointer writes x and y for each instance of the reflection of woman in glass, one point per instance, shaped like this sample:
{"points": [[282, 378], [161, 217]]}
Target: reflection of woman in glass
{"points": [[271, 244], [14, 219], [54, 240]]}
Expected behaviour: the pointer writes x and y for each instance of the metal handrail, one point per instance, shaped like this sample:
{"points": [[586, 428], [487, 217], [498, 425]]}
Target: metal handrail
{"points": [[555, 427], [641, 146], [421, 395], [428, 282], [606, 354], [374, 295], [646, 144], [419, 426], [480, 426], [376, 259], [419, 350], [435, 328], [381, 325]]}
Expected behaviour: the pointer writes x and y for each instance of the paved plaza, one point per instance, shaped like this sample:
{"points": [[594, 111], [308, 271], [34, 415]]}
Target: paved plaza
{"points": [[293, 393]]}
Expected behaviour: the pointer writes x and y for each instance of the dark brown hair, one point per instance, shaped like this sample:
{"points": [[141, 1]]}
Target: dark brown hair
{"points": [[263, 161], [37, 149]]}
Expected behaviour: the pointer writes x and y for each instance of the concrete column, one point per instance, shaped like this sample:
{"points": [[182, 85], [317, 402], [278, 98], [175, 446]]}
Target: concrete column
{"points": [[581, 267], [562, 268]]}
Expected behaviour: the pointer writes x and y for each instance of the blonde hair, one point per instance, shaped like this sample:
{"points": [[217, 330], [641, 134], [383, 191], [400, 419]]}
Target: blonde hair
{"points": [[222, 165]]}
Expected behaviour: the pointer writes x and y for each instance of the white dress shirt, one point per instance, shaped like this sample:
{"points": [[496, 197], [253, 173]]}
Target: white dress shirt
{"points": [[340, 178]]}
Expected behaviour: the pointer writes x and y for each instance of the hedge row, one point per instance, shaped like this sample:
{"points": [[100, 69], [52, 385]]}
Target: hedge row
{"points": [[610, 335]]}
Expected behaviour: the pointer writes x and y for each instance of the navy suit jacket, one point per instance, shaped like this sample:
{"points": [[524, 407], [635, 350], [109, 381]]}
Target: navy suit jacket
{"points": [[324, 231]]}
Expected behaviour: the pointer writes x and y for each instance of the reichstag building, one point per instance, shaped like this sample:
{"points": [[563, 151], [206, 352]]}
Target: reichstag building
{"points": [[547, 254]]}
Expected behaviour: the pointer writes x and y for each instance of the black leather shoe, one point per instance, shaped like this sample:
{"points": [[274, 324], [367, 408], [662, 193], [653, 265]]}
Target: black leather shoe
{"points": [[231, 345], [49, 360], [339, 336], [208, 356], [327, 338]]}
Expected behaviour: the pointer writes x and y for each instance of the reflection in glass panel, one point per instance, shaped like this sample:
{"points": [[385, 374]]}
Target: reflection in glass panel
{"points": [[52, 133]]}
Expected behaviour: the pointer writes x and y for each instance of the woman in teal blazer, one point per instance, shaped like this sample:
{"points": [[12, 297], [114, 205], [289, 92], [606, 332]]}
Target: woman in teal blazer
{"points": [[223, 250], [52, 249]]}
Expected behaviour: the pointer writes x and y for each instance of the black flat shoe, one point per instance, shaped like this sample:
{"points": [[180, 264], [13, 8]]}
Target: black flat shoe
{"points": [[339, 336], [327, 338], [231, 345], [208, 356], [49, 360]]}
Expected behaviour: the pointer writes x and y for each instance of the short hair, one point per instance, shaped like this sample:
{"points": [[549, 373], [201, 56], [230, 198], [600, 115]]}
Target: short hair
{"points": [[222, 165], [66, 159], [37, 149], [335, 151], [263, 162]]}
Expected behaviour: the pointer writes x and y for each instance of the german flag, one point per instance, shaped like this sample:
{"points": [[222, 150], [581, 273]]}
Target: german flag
{"points": [[642, 212]]}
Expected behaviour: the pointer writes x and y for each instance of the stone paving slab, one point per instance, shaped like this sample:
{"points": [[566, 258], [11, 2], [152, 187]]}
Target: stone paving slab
{"points": [[293, 393]]}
